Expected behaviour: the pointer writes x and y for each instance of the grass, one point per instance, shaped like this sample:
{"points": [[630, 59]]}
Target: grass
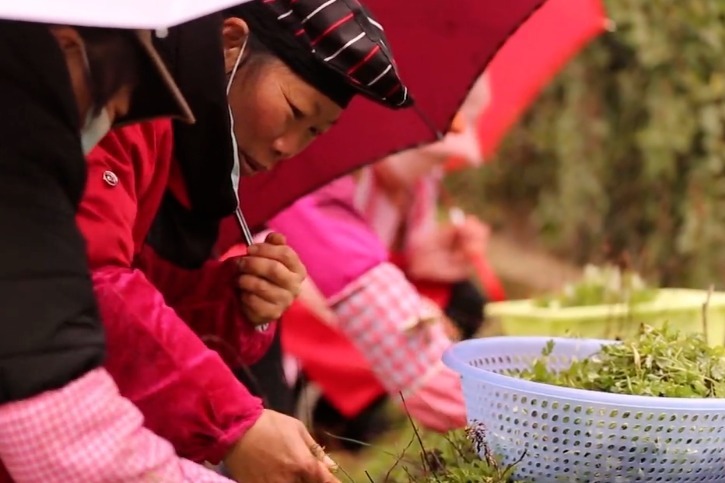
{"points": [[409, 455]]}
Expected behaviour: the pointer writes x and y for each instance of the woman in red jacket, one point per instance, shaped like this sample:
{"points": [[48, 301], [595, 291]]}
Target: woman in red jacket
{"points": [[155, 198]]}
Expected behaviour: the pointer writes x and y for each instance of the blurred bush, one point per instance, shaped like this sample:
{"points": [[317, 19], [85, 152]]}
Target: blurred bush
{"points": [[625, 151]]}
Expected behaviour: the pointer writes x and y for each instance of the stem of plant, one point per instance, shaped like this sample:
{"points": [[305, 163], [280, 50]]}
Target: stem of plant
{"points": [[420, 440], [705, 308]]}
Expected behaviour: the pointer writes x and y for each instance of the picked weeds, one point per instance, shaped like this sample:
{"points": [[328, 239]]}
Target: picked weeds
{"points": [[657, 362]]}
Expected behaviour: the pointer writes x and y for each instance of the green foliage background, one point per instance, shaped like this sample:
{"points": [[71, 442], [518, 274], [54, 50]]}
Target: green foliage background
{"points": [[626, 149]]}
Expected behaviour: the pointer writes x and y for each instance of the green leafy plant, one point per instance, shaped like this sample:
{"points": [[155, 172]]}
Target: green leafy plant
{"points": [[608, 284], [658, 362], [452, 458]]}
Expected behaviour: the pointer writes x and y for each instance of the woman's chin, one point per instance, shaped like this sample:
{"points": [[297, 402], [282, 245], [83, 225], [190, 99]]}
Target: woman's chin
{"points": [[245, 169]]}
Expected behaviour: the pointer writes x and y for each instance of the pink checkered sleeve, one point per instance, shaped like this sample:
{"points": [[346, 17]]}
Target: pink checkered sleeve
{"points": [[392, 325], [86, 432], [438, 403], [400, 334]]}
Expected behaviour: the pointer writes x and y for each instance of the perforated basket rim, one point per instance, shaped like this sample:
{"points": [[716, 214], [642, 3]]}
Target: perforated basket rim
{"points": [[458, 355]]}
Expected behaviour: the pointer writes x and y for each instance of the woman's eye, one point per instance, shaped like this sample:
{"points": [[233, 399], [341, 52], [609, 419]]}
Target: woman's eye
{"points": [[296, 113]]}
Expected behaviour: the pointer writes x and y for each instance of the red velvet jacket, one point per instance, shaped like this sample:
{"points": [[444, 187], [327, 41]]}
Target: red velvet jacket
{"points": [[158, 316]]}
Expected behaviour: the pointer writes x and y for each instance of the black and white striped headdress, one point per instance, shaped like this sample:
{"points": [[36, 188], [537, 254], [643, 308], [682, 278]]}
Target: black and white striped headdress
{"points": [[343, 35]]}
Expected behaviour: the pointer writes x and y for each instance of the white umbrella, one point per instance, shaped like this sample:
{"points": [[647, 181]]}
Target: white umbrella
{"points": [[130, 14]]}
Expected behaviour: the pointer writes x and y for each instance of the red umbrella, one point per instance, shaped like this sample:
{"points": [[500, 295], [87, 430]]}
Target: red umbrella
{"points": [[441, 48], [554, 35]]}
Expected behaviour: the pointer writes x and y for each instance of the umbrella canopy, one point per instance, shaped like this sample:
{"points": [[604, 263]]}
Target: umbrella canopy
{"points": [[515, 77], [128, 14], [440, 52]]}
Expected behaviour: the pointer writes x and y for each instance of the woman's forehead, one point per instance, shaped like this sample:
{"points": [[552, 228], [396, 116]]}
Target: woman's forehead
{"points": [[315, 102]]}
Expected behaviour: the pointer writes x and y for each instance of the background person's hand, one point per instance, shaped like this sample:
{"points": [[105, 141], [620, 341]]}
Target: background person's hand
{"points": [[434, 255], [444, 254], [270, 278], [472, 235], [278, 449]]}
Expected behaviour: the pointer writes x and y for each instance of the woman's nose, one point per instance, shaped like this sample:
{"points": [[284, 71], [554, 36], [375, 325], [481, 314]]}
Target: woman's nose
{"points": [[289, 145], [281, 149]]}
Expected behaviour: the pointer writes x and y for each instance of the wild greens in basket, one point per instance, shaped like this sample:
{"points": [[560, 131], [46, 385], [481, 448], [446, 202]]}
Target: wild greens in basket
{"points": [[658, 362]]}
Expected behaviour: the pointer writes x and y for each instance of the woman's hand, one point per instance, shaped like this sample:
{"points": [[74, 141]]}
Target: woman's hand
{"points": [[443, 254], [271, 275], [278, 449], [433, 255], [472, 235]]}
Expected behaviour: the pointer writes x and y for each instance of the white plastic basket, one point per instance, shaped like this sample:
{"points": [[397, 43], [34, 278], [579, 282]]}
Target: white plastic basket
{"points": [[584, 436]]}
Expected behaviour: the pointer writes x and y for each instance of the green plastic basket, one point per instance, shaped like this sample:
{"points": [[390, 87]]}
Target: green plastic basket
{"points": [[680, 308]]}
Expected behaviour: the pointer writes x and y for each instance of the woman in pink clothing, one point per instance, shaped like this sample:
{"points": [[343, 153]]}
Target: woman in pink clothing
{"points": [[392, 330], [399, 198]]}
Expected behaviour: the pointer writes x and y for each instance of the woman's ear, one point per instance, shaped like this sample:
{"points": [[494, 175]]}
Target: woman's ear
{"points": [[234, 34], [69, 40]]}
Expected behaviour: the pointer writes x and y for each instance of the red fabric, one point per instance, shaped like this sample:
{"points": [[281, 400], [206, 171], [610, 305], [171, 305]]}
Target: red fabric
{"points": [[457, 163], [206, 300], [237, 250], [438, 292], [331, 360], [86, 432], [487, 277], [440, 53], [553, 35], [185, 390]]}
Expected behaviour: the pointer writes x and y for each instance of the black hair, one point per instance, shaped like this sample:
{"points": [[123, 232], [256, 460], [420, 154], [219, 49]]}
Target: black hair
{"points": [[268, 37], [113, 60]]}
